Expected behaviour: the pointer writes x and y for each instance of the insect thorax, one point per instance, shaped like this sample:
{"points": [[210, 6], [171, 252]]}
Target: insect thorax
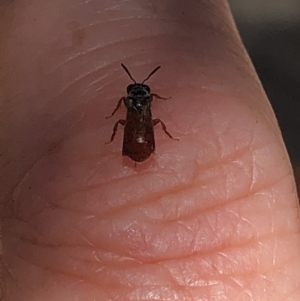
{"points": [[138, 97]]}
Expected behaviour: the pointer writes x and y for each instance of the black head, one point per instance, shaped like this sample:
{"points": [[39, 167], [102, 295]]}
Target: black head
{"points": [[137, 88], [141, 85]]}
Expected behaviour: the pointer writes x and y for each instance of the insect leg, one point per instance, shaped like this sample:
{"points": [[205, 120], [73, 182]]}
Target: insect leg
{"points": [[156, 121], [120, 121], [117, 107], [159, 97]]}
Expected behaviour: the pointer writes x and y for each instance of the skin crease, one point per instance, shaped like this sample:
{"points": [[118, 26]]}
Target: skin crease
{"points": [[213, 216]]}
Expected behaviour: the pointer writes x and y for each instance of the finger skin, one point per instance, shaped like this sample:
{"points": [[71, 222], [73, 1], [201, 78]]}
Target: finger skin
{"points": [[213, 216]]}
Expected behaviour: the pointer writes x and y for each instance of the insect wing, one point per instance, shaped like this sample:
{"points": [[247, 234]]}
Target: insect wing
{"points": [[138, 143]]}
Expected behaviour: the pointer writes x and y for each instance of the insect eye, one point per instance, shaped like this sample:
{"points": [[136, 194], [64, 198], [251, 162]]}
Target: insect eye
{"points": [[130, 87], [147, 88]]}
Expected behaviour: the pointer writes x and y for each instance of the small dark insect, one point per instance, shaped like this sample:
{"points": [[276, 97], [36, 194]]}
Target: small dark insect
{"points": [[138, 141]]}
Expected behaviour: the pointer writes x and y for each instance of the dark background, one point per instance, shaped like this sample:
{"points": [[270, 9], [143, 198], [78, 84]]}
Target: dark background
{"points": [[270, 30]]}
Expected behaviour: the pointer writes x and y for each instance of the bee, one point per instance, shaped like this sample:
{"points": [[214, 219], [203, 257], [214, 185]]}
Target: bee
{"points": [[138, 140]]}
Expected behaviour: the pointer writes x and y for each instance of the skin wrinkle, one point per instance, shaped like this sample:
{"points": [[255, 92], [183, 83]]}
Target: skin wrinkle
{"points": [[236, 242], [50, 149], [221, 251], [118, 41], [238, 245], [122, 180], [54, 271], [94, 49], [89, 73], [156, 198], [90, 278], [75, 82], [83, 76], [158, 262], [227, 202], [114, 182], [26, 174], [97, 48], [152, 198], [41, 239]]}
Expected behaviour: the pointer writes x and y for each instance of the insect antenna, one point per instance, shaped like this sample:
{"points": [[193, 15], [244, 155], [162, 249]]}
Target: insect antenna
{"points": [[151, 74], [127, 71]]}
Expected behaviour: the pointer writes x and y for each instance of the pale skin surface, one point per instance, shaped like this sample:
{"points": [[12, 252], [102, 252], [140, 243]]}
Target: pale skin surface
{"points": [[213, 216]]}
